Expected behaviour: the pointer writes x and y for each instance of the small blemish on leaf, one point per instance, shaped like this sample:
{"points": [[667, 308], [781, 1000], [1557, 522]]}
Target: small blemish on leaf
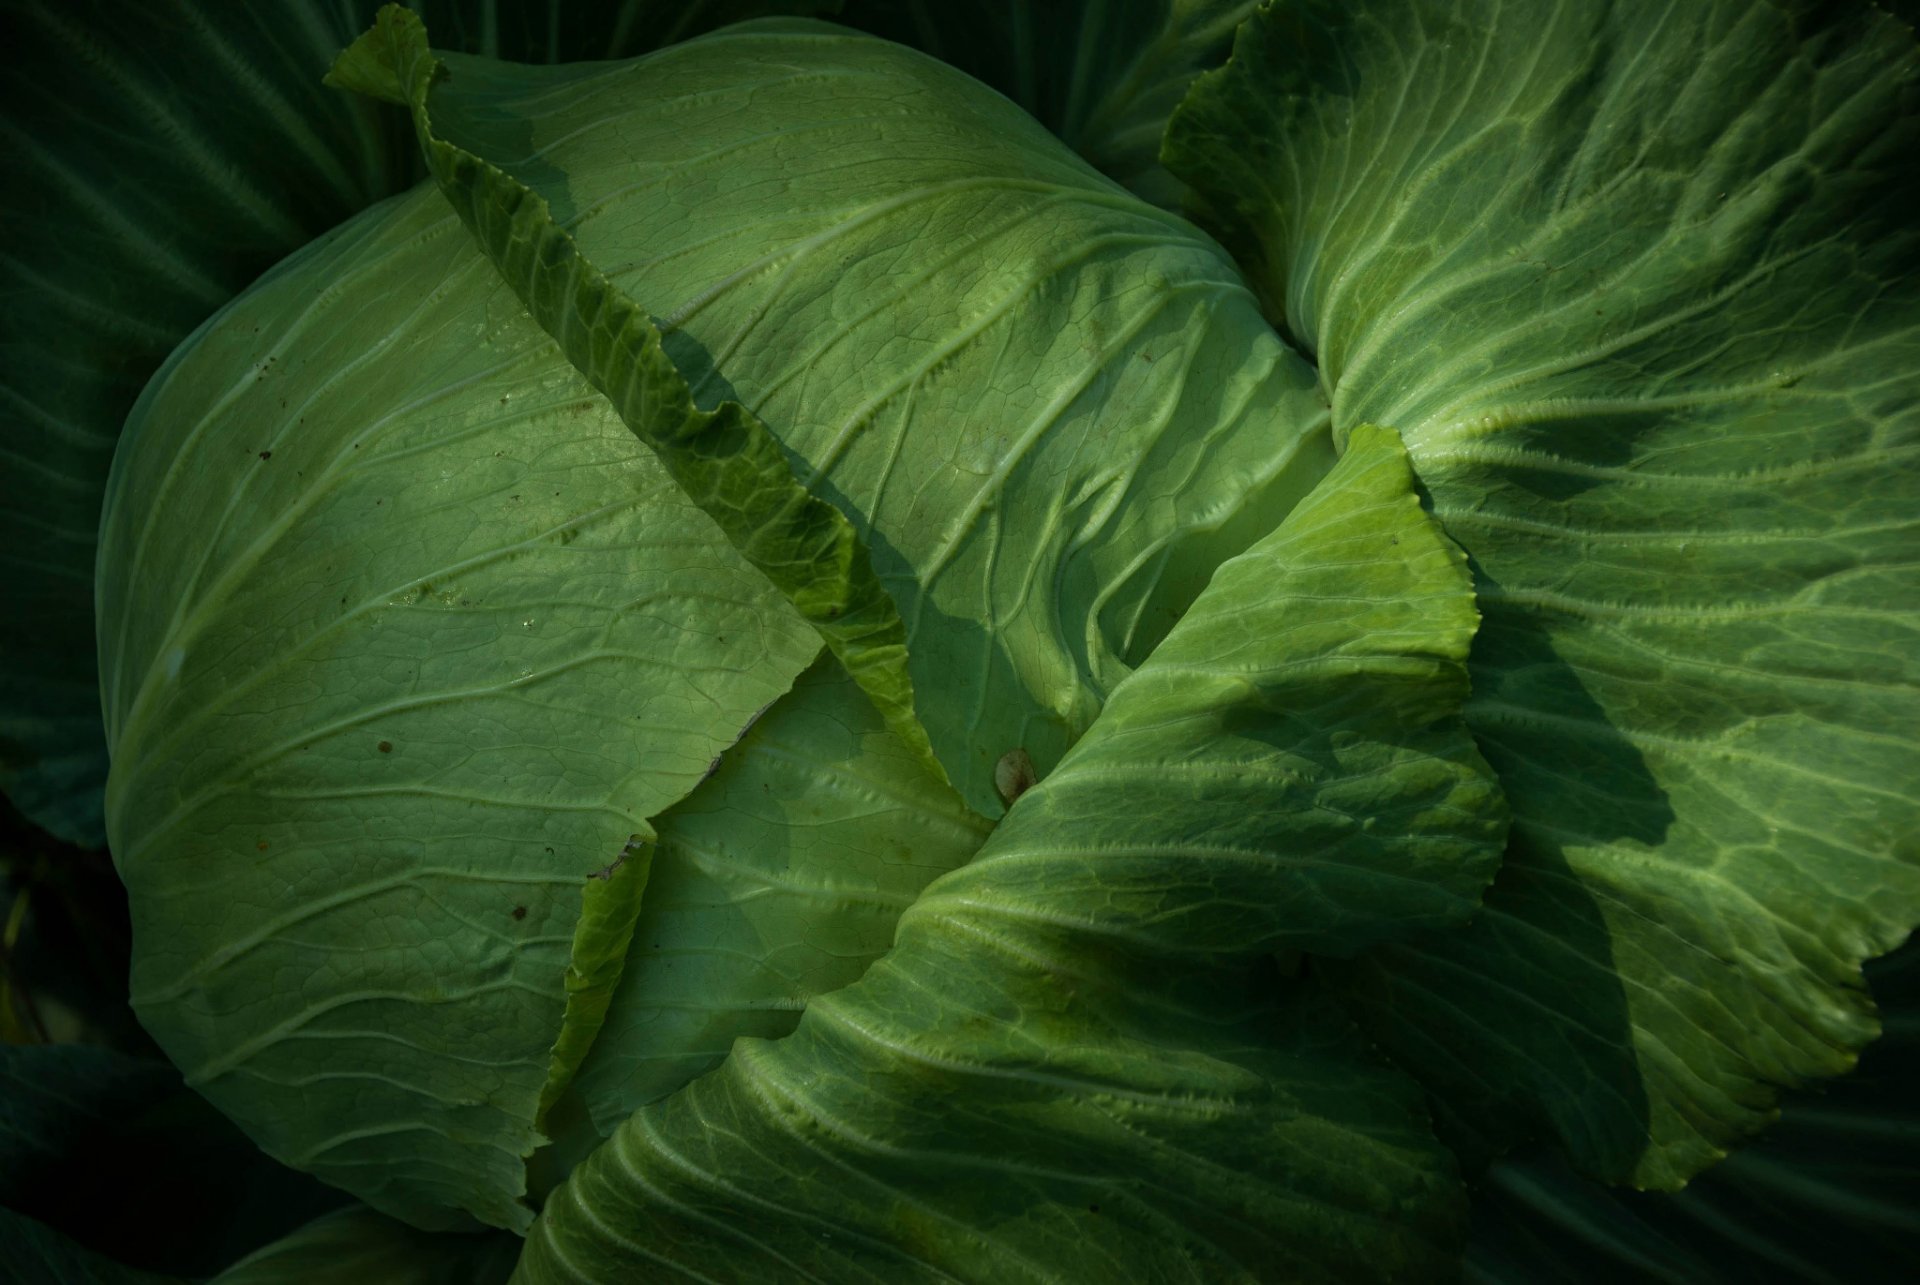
{"points": [[261, 846], [266, 455], [519, 912], [385, 747], [1013, 775]]}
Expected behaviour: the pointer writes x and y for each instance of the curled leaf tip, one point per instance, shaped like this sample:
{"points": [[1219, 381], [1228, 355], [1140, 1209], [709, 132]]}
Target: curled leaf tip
{"points": [[390, 61]]}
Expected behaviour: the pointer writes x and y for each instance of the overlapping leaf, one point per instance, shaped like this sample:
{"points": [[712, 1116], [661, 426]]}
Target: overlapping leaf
{"points": [[92, 1147], [1045, 434], [1829, 1195], [725, 460], [1640, 284], [779, 879], [1068, 1067], [355, 1245]]}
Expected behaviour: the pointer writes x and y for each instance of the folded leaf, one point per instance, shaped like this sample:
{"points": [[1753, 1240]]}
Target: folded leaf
{"points": [[724, 459], [1045, 431], [1073, 1064], [1640, 285]]}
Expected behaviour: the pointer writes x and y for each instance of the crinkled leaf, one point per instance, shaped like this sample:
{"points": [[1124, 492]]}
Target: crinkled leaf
{"points": [[1637, 282], [1067, 1068]]}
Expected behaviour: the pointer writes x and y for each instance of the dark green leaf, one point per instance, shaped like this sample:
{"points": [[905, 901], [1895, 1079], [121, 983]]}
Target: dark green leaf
{"points": [[356, 1246]]}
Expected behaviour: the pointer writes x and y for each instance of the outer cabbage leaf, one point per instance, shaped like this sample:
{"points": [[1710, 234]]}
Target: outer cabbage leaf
{"points": [[438, 640], [160, 156], [140, 199], [1638, 283], [1047, 409], [1072, 1065]]}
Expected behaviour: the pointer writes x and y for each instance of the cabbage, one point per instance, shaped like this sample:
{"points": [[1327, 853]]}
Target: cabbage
{"points": [[782, 672]]}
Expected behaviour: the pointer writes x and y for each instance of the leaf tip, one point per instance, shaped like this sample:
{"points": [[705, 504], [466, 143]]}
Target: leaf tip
{"points": [[388, 61]]}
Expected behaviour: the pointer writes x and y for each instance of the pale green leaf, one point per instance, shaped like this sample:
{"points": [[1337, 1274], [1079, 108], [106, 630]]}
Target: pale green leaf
{"points": [[439, 641]]}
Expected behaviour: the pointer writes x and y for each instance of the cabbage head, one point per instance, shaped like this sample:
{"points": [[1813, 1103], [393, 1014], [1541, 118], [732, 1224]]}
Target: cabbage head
{"points": [[789, 668]]}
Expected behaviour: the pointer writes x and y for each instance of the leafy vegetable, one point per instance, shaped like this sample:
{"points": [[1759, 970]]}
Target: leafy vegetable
{"points": [[784, 672]]}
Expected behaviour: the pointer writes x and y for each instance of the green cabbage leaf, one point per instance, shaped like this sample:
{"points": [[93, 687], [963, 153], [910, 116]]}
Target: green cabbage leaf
{"points": [[1635, 282]]}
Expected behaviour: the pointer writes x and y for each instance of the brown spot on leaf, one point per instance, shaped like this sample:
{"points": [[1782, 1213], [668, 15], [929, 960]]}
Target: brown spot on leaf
{"points": [[262, 845], [519, 912], [1013, 775], [385, 747], [266, 455]]}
